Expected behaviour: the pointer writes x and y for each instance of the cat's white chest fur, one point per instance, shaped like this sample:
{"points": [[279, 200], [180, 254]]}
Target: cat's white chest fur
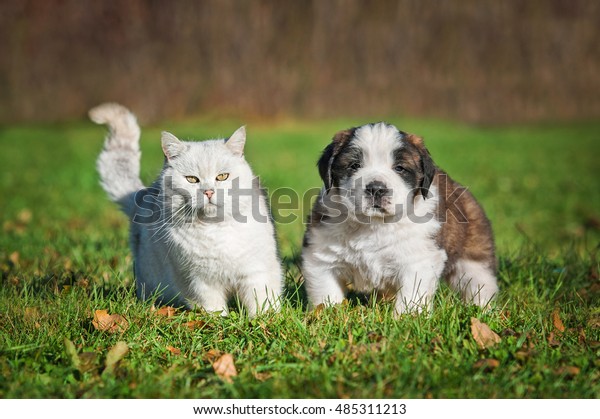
{"points": [[211, 262], [218, 253]]}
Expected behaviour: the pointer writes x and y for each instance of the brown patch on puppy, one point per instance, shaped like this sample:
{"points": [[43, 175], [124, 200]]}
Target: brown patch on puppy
{"points": [[417, 157], [466, 231]]}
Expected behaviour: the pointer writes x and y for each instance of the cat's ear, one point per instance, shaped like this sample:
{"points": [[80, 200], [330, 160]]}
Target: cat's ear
{"points": [[171, 145], [236, 142]]}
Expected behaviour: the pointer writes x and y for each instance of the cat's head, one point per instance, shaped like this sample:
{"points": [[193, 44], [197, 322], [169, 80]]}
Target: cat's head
{"points": [[207, 180]]}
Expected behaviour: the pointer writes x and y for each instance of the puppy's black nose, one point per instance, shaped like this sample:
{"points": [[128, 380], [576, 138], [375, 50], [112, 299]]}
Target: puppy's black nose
{"points": [[377, 189]]}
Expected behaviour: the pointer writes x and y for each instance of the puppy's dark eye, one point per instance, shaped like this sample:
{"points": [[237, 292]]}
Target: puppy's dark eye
{"points": [[354, 166], [399, 169]]}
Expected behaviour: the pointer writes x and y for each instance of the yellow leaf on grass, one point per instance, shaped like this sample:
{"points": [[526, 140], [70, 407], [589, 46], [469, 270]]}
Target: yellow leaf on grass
{"points": [[195, 324], [115, 354], [109, 322], [212, 355], [483, 335], [225, 368], [87, 361], [486, 365], [72, 352], [569, 371], [24, 216], [166, 311], [31, 314], [316, 313], [558, 324], [173, 350], [83, 362], [261, 376], [14, 258], [552, 340]]}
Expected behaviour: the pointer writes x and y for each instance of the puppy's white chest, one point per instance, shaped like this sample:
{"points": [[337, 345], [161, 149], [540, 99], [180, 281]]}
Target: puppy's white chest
{"points": [[380, 258], [369, 263]]}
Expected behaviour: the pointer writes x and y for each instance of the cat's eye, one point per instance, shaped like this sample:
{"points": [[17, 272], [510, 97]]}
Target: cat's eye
{"points": [[222, 176], [192, 179]]}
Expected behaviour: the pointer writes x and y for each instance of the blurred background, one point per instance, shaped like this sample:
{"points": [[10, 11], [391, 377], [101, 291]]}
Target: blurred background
{"points": [[478, 61]]}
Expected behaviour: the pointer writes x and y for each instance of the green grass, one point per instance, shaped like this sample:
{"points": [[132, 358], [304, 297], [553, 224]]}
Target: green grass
{"points": [[64, 254]]}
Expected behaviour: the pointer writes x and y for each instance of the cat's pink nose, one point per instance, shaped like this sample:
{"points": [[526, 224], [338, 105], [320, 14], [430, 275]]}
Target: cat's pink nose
{"points": [[209, 193]]}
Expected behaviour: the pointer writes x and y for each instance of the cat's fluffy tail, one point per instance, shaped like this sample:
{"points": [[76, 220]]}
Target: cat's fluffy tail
{"points": [[119, 161]]}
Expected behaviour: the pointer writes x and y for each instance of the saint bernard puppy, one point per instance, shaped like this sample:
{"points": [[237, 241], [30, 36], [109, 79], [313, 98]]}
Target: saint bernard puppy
{"points": [[389, 220]]}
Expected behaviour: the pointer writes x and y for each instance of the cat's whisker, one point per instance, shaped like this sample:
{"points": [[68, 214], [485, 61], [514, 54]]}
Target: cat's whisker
{"points": [[172, 220]]}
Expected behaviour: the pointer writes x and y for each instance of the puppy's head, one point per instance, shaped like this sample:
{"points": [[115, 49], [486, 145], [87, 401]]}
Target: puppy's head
{"points": [[377, 169]]}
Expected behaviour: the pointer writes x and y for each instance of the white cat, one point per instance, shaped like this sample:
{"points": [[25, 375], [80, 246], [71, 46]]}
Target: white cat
{"points": [[202, 232]]}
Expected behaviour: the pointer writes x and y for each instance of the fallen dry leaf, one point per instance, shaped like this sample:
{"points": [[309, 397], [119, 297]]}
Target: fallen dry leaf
{"points": [[581, 337], [83, 362], [569, 371], [483, 335], [166, 311], [374, 336], [486, 365], [594, 322], [32, 314], [87, 361], [225, 368], [83, 283], [115, 354], [173, 350], [522, 355], [316, 313], [558, 324], [299, 356], [195, 324], [72, 352], [437, 343], [508, 332], [109, 322], [552, 341], [14, 258], [357, 352], [261, 376], [24, 216], [212, 355], [594, 344]]}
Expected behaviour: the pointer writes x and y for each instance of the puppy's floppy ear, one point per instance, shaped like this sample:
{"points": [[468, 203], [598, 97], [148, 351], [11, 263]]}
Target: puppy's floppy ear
{"points": [[330, 153], [324, 165], [427, 165], [428, 173]]}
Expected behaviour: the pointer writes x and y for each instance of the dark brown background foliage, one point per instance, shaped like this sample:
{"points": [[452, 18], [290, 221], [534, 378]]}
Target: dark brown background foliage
{"points": [[475, 60]]}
